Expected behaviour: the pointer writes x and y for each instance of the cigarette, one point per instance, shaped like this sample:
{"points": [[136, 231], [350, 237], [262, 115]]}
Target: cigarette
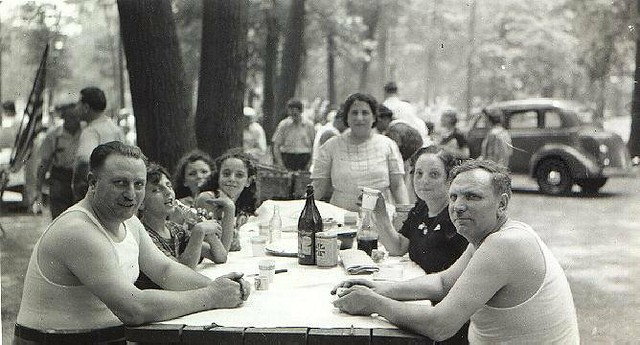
{"points": [[281, 270]]}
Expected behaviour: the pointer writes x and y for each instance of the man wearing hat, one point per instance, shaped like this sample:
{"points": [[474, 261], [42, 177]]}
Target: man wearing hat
{"points": [[100, 129], [57, 154], [254, 141]]}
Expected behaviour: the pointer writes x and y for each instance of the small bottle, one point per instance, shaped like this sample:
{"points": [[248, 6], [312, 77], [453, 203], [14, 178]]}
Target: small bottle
{"points": [[309, 223], [275, 225]]}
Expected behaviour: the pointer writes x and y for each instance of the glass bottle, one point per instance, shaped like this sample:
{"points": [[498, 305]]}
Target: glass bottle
{"points": [[275, 225], [367, 235], [309, 223]]}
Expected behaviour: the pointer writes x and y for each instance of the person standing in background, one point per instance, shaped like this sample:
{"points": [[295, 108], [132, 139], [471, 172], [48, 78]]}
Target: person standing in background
{"points": [[496, 146], [57, 154], [254, 141], [403, 110], [293, 139], [100, 129], [452, 140]]}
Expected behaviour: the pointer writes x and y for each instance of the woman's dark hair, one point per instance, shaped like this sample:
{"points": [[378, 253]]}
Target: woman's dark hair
{"points": [[154, 174], [363, 97], [247, 202], [448, 160], [178, 176], [407, 138]]}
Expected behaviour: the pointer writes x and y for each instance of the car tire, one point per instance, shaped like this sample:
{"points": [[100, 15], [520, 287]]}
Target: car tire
{"points": [[591, 185], [554, 177]]}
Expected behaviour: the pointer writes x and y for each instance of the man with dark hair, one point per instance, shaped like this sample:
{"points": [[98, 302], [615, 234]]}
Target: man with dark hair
{"points": [[293, 139], [452, 139], [507, 282], [57, 154], [100, 129], [79, 286], [383, 119]]}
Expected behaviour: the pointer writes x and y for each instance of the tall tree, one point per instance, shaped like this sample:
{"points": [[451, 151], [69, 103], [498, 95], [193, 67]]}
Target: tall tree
{"points": [[156, 75], [269, 120], [634, 136], [222, 75], [371, 20], [292, 55]]}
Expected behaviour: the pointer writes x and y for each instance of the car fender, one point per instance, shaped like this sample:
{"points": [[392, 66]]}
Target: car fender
{"points": [[580, 164]]}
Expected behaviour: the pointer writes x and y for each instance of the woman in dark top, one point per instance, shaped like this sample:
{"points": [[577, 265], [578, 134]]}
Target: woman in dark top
{"points": [[428, 234]]}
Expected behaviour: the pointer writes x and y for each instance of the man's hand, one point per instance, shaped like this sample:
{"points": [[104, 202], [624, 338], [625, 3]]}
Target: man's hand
{"points": [[229, 290], [379, 287], [358, 300]]}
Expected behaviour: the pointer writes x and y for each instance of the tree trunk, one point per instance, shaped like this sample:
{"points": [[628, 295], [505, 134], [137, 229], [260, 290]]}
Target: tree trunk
{"points": [[634, 137], [156, 76], [470, 57], [291, 57], [269, 119], [222, 75], [372, 25], [331, 68]]}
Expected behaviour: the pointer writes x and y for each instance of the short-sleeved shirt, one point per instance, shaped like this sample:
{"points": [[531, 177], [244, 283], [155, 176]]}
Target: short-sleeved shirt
{"points": [[174, 246], [294, 138], [454, 138], [349, 166], [99, 131], [59, 147], [254, 141], [434, 243]]}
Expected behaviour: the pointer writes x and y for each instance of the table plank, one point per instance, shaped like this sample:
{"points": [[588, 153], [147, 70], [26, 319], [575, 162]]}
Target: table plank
{"points": [[215, 335], [339, 336], [381, 336], [155, 333], [275, 336]]}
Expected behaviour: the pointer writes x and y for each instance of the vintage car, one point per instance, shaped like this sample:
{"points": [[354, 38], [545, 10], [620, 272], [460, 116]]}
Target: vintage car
{"points": [[555, 143]]}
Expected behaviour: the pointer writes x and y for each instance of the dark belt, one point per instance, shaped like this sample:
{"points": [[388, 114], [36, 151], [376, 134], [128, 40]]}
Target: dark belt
{"points": [[63, 174], [70, 337]]}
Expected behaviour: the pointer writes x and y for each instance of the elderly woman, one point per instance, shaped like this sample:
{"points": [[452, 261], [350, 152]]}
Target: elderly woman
{"points": [[358, 158], [187, 246], [192, 171]]}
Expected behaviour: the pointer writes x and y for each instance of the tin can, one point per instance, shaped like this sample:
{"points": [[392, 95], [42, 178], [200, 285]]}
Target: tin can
{"points": [[262, 283], [326, 249]]}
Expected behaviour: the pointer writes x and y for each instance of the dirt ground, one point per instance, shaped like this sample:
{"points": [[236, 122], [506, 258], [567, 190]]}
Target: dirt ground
{"points": [[595, 238]]}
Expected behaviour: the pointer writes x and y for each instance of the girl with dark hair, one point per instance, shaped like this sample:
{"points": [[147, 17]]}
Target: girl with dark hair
{"points": [[187, 246], [232, 184], [191, 173]]}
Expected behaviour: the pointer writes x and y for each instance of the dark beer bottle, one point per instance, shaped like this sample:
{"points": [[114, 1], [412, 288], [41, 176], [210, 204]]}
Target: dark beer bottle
{"points": [[309, 223]]}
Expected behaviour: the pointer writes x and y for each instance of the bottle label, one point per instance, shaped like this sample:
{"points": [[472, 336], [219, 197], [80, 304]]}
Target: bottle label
{"points": [[304, 244]]}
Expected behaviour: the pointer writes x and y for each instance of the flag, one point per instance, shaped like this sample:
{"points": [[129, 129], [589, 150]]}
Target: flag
{"points": [[26, 133]]}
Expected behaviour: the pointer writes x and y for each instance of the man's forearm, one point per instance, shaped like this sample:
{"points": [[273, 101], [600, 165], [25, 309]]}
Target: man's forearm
{"points": [[421, 288], [420, 319]]}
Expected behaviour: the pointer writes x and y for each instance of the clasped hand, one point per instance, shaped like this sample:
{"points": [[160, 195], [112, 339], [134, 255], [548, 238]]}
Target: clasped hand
{"points": [[357, 296], [230, 290]]}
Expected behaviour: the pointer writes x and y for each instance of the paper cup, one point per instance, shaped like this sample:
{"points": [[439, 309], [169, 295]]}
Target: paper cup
{"points": [[258, 244]]}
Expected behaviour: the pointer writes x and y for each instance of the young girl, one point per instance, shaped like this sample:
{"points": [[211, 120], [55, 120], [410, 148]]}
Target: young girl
{"points": [[192, 172], [234, 182], [186, 247]]}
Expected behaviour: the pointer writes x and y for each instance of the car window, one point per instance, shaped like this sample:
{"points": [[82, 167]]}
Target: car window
{"points": [[525, 119], [552, 119]]}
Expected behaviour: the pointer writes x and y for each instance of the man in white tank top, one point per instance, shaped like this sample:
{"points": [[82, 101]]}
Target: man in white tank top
{"points": [[508, 283], [79, 286]]}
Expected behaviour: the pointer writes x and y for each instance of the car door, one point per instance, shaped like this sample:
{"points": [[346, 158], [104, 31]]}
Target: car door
{"points": [[476, 134], [523, 125]]}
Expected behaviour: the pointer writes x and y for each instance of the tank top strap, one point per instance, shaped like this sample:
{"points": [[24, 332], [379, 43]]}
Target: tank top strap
{"points": [[94, 220]]}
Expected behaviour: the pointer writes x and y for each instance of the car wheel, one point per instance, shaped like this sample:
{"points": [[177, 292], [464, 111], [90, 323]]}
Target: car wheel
{"points": [[591, 185], [554, 177]]}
